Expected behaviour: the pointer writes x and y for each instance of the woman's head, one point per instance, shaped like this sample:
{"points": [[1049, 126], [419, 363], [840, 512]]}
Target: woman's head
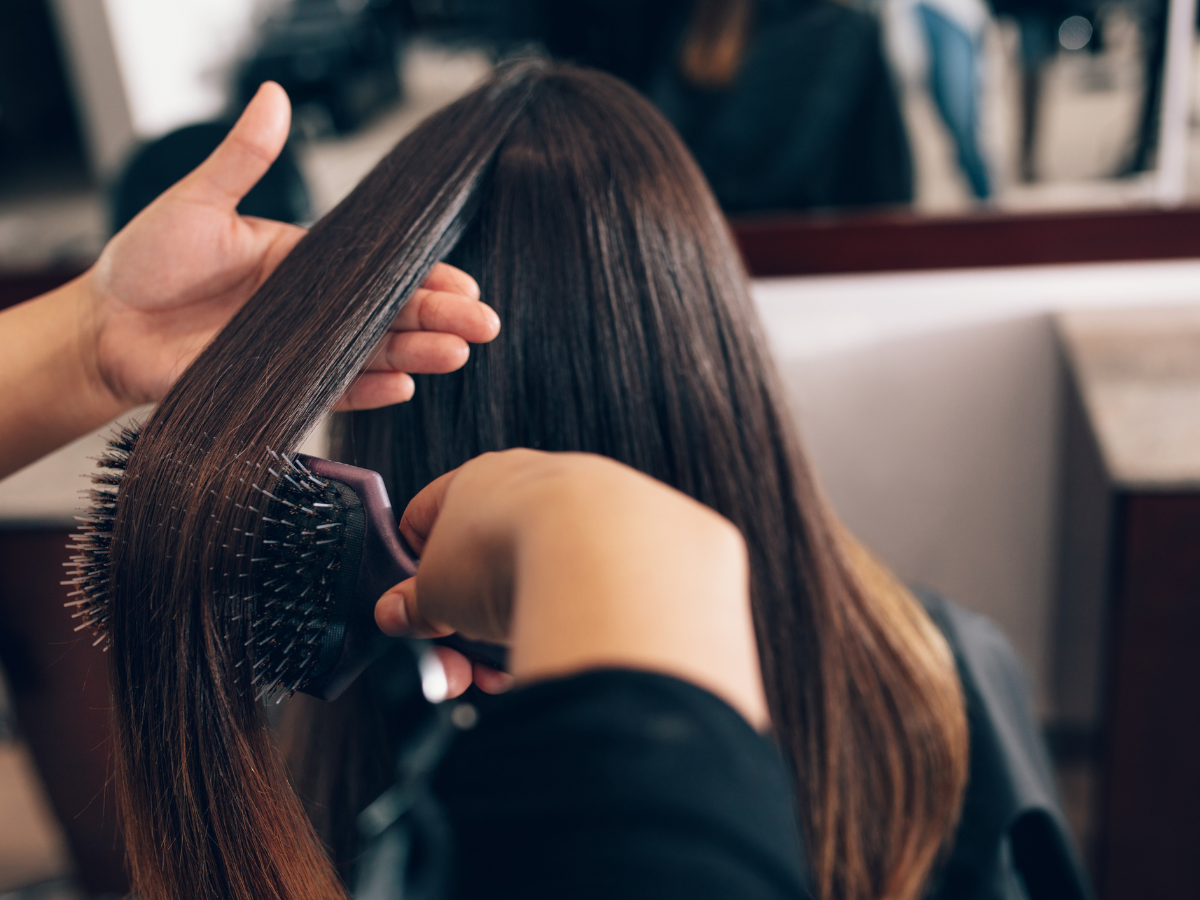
{"points": [[627, 328], [628, 331]]}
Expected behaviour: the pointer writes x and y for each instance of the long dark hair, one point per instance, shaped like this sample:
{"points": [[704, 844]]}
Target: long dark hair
{"points": [[628, 331]]}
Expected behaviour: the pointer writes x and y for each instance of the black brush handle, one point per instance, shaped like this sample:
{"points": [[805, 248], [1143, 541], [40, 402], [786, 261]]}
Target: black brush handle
{"points": [[385, 561], [492, 655]]}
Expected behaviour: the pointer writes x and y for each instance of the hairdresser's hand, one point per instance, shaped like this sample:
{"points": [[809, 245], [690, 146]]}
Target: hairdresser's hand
{"points": [[171, 279], [121, 333], [578, 562]]}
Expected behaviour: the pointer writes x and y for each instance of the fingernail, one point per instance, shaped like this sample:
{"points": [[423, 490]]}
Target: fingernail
{"points": [[493, 318]]}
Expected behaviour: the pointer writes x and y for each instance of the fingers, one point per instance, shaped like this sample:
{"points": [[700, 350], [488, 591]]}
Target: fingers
{"points": [[445, 277], [489, 680], [457, 668], [391, 613], [422, 511], [428, 352], [429, 336], [397, 615], [451, 312], [394, 615], [372, 390], [246, 153], [460, 673]]}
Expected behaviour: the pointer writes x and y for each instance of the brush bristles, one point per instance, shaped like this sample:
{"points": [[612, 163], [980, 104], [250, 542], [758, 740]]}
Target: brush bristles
{"points": [[91, 544], [294, 573], [291, 577]]}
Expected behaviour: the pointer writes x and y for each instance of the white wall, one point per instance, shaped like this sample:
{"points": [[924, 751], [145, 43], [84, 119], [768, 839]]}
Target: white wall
{"points": [[95, 74], [141, 68], [938, 451], [175, 57], [930, 404]]}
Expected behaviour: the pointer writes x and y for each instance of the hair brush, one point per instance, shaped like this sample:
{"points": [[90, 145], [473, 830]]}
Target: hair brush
{"points": [[326, 548]]}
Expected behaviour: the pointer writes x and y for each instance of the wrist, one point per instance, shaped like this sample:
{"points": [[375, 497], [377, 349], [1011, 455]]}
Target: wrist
{"points": [[95, 389], [615, 569], [48, 377]]}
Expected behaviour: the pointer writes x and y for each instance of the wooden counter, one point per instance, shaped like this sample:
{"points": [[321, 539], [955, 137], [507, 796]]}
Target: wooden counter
{"points": [[1128, 637]]}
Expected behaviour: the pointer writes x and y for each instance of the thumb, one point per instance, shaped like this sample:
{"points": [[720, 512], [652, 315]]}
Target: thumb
{"points": [[419, 516], [396, 613], [249, 149]]}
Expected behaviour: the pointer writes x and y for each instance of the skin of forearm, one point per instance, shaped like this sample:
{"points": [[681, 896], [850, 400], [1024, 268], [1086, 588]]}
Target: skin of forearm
{"points": [[50, 393], [665, 589]]}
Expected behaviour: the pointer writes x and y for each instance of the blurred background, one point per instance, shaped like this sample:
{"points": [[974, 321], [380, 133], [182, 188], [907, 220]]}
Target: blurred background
{"points": [[972, 230], [938, 106]]}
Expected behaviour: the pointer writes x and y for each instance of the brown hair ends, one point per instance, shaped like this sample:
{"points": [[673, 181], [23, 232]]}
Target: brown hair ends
{"points": [[628, 331]]}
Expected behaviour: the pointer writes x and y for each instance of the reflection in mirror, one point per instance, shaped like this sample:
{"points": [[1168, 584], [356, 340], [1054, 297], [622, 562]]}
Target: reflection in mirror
{"points": [[943, 107]]}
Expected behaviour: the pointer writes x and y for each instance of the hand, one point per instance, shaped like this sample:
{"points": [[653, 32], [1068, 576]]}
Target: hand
{"points": [[170, 280], [578, 562]]}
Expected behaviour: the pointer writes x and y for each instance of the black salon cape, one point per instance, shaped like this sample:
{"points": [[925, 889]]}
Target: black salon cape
{"points": [[627, 784], [618, 784], [1012, 841]]}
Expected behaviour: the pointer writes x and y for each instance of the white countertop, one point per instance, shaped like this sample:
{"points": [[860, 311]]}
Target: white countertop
{"points": [[1139, 375]]}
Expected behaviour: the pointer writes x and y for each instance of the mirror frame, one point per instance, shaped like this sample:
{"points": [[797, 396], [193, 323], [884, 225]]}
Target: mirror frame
{"points": [[783, 245]]}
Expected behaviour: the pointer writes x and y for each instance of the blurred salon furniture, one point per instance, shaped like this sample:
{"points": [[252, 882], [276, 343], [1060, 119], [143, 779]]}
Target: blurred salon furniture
{"points": [[1128, 666], [280, 194], [35, 107], [58, 686], [779, 245], [335, 59], [57, 681], [921, 359], [1012, 839]]}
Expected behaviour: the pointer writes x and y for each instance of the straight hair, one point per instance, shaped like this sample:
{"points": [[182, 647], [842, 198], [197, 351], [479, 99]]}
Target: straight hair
{"points": [[628, 331]]}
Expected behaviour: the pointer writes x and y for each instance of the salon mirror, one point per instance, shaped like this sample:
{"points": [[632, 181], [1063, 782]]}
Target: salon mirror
{"points": [[813, 111]]}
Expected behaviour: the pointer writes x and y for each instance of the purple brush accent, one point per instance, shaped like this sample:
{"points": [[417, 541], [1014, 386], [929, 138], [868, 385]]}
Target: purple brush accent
{"points": [[386, 561]]}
